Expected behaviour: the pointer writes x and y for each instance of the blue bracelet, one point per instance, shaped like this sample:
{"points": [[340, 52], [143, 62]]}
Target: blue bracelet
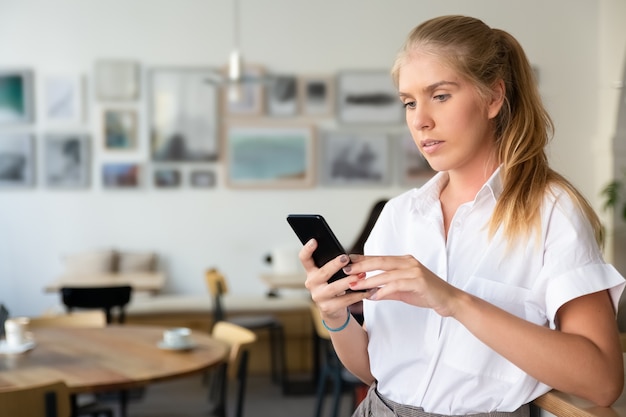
{"points": [[340, 328]]}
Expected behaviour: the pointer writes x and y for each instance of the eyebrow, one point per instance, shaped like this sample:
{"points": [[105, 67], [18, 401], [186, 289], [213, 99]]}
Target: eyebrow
{"points": [[432, 87]]}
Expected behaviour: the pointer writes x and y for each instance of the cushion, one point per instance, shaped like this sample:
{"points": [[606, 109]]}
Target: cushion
{"points": [[136, 262], [89, 263]]}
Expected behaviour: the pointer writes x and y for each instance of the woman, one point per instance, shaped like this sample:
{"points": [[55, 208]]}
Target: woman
{"points": [[486, 287]]}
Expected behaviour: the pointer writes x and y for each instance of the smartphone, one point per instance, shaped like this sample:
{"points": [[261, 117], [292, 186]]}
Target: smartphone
{"points": [[309, 226]]}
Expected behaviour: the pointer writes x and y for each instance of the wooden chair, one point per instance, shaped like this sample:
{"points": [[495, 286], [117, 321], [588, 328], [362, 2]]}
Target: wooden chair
{"points": [[234, 368], [106, 298], [87, 319], [90, 318], [331, 369], [217, 285], [46, 400]]}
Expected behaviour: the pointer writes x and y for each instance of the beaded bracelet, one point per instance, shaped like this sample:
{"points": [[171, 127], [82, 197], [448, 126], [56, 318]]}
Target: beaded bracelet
{"points": [[340, 328]]}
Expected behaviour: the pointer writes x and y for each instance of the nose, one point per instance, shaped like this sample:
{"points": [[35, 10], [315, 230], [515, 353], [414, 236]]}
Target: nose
{"points": [[419, 118]]}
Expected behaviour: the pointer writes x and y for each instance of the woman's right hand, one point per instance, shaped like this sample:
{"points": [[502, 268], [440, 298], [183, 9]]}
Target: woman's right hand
{"points": [[332, 298]]}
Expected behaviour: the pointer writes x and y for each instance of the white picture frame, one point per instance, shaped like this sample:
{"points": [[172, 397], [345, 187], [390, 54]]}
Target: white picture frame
{"points": [[317, 95], [116, 80], [184, 115], [63, 99], [282, 96]]}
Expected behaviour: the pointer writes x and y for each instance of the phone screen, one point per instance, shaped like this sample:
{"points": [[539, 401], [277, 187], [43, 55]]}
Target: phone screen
{"points": [[314, 226]]}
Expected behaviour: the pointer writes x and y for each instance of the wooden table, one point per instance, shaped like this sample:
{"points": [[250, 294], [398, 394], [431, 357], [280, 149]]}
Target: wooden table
{"points": [[566, 405], [105, 359]]}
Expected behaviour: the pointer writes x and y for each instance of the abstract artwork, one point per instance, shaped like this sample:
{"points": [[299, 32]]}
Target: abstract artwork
{"points": [[16, 97], [166, 178], [17, 157], [355, 158], [202, 179], [120, 129], [66, 160], [184, 121], [317, 95], [117, 79], [63, 99], [413, 169], [268, 156], [282, 96], [120, 175], [368, 97]]}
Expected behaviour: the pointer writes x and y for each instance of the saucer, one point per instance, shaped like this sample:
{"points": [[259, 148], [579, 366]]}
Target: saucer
{"points": [[187, 346], [24, 347]]}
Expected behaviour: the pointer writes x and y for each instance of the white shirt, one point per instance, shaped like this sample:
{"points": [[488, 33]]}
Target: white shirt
{"points": [[422, 359]]}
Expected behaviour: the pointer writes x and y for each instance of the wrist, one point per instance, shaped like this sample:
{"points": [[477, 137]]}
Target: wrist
{"points": [[337, 327]]}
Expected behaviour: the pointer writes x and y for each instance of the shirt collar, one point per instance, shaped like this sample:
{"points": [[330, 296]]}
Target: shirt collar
{"points": [[428, 194]]}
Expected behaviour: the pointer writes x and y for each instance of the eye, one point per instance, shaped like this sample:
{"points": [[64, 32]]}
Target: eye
{"points": [[441, 97], [408, 105]]}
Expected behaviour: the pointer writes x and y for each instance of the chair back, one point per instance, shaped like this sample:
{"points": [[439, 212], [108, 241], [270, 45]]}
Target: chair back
{"points": [[215, 282], [89, 318], [46, 400], [237, 337], [4, 315], [105, 298], [320, 330]]}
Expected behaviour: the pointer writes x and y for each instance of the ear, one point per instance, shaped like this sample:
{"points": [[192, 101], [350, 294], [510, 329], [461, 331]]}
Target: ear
{"points": [[498, 92]]}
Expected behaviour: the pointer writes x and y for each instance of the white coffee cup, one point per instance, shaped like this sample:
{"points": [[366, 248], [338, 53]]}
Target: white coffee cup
{"points": [[177, 337], [16, 331]]}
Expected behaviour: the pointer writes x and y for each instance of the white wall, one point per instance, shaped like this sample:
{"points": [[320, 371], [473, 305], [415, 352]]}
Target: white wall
{"points": [[234, 229]]}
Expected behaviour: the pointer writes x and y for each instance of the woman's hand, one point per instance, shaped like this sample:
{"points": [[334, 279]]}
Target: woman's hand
{"points": [[405, 279], [332, 298]]}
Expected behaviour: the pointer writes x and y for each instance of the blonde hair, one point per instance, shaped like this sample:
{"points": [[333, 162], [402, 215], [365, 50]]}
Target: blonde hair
{"points": [[523, 128]]}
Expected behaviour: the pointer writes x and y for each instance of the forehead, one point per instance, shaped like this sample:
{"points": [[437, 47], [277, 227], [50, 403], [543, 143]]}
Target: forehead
{"points": [[421, 69]]}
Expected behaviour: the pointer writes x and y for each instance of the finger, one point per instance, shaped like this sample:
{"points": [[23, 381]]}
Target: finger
{"points": [[306, 255]]}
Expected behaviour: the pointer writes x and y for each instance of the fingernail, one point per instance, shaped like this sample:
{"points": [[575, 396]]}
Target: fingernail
{"points": [[361, 275], [343, 259], [311, 242], [353, 283], [347, 269]]}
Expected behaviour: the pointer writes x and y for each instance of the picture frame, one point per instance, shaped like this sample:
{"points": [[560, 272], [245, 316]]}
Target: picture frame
{"points": [[282, 96], [412, 167], [184, 115], [368, 97], [166, 177], [246, 98], [278, 156], [17, 160], [317, 95], [116, 80], [63, 98], [16, 97], [67, 160], [355, 158], [202, 179], [120, 129], [121, 175]]}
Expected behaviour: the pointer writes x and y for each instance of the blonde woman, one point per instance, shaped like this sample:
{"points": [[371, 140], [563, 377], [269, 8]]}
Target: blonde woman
{"points": [[486, 287]]}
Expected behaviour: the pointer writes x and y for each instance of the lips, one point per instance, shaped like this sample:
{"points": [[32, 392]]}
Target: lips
{"points": [[430, 145]]}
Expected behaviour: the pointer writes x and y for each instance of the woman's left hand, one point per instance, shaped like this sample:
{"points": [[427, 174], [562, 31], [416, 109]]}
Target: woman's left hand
{"points": [[404, 278]]}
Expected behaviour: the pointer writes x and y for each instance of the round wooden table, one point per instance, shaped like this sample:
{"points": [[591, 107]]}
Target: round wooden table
{"points": [[108, 358]]}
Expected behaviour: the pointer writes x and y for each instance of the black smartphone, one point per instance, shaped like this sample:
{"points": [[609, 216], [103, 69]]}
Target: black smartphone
{"points": [[309, 226]]}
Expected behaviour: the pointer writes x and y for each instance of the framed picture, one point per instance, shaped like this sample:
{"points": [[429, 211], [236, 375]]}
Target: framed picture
{"points": [[270, 156], [282, 96], [67, 160], [184, 119], [355, 158], [120, 129], [202, 179], [63, 99], [16, 97], [368, 97], [120, 175], [317, 95], [413, 169], [17, 160], [246, 98], [116, 79], [166, 178]]}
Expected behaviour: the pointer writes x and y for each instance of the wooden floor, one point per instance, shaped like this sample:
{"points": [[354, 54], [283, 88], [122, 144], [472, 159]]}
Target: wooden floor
{"points": [[188, 398]]}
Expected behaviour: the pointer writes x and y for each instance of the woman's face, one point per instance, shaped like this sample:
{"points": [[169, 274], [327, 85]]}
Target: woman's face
{"points": [[449, 121]]}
